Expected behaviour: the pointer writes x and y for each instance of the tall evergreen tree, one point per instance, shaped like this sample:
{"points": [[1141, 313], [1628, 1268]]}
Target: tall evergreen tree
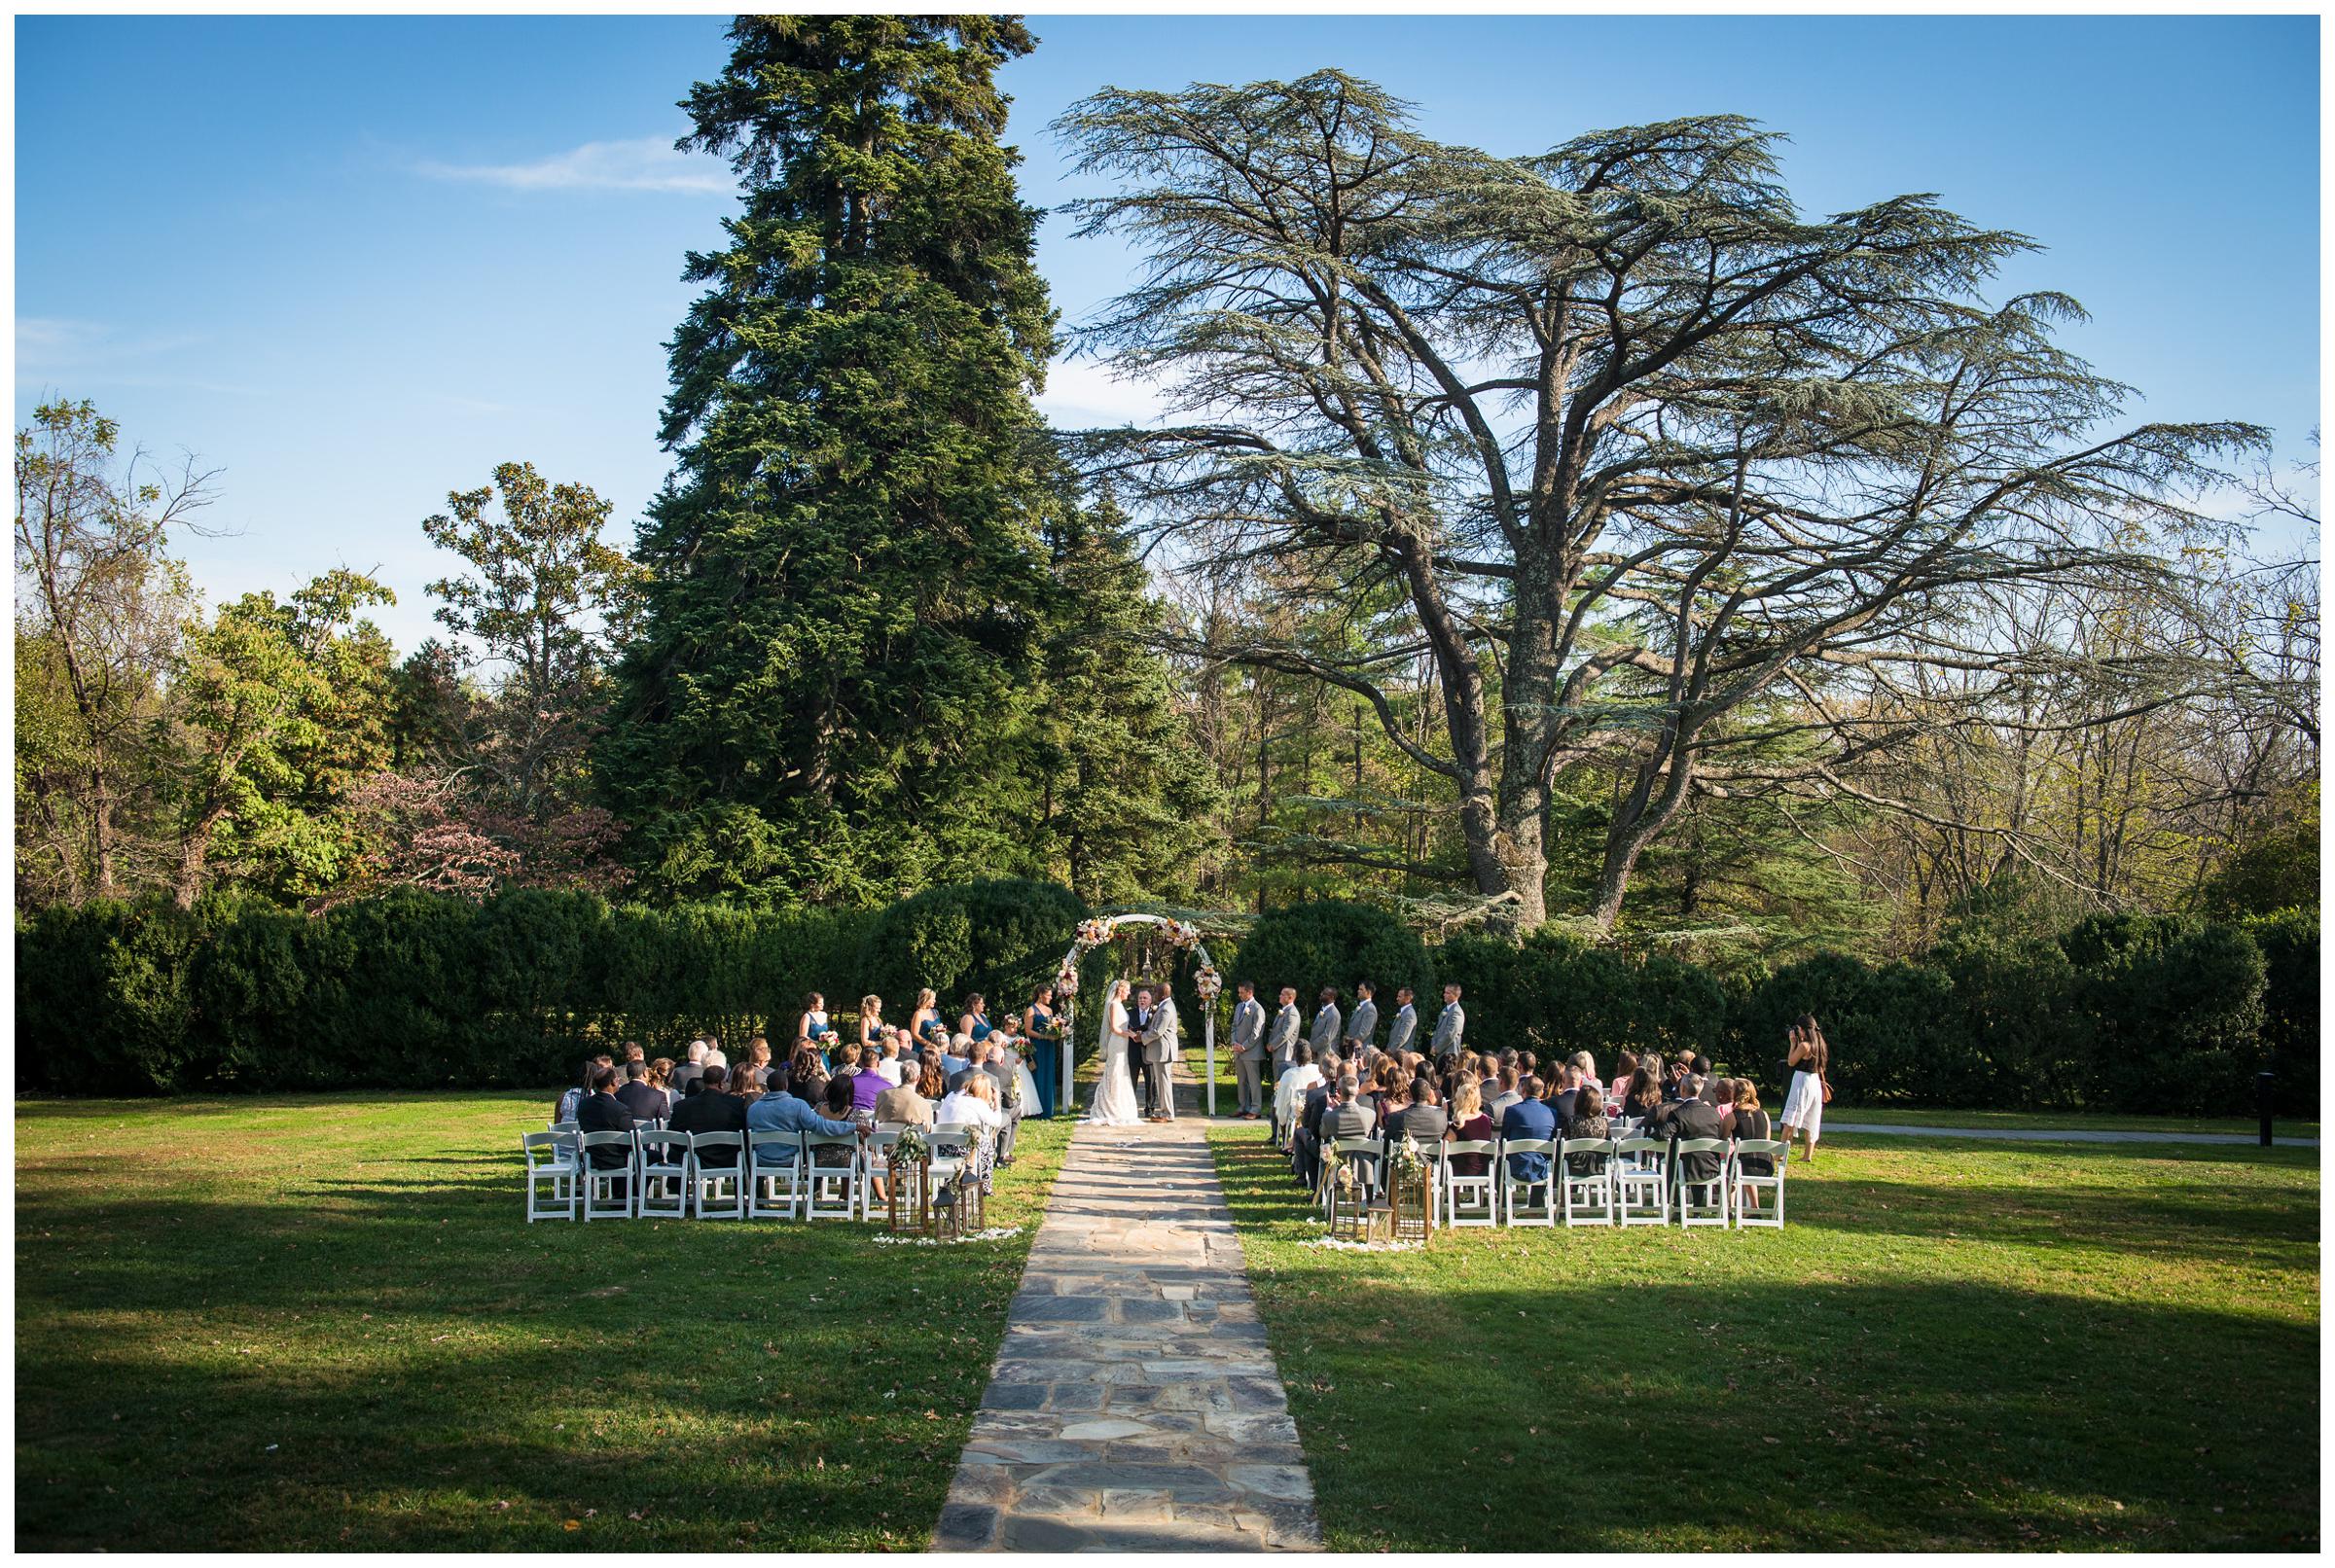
{"points": [[1128, 805], [840, 621]]}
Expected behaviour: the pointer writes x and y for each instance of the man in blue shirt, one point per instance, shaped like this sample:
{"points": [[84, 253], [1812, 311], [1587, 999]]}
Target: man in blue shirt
{"points": [[1528, 1118], [780, 1111]]}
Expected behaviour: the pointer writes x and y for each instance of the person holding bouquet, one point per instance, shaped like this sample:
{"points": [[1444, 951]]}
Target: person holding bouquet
{"points": [[1044, 1032]]}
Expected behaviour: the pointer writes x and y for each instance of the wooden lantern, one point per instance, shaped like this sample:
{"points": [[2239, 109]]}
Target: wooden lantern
{"points": [[1406, 1212], [1349, 1206], [908, 1204]]}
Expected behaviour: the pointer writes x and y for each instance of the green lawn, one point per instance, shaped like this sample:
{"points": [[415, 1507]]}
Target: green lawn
{"points": [[321, 1322], [1893, 1116], [1963, 1345]]}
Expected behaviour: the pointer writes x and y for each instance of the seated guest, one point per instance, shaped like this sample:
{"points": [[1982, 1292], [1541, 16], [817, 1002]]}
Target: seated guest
{"points": [[1305, 1144], [1706, 1083], [805, 1064], [867, 1082], [1695, 1119], [910, 1104], [1422, 1121], [975, 1106], [602, 1112], [781, 1110], [687, 1073], [1625, 1068], [1507, 1090], [1354, 1116], [661, 1077], [841, 1104], [744, 1084], [1750, 1126], [956, 1060], [1588, 1122], [1644, 1098], [571, 1098], [998, 1064], [1563, 1089], [1469, 1125], [713, 1052], [711, 1110], [1587, 1066], [1298, 1077], [1528, 1118], [645, 1101]]}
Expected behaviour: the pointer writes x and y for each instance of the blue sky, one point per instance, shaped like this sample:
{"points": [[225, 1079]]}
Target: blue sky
{"points": [[356, 263]]}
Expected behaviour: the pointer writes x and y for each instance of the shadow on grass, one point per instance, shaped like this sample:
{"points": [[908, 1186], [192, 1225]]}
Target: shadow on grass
{"points": [[1825, 1387], [328, 1347]]}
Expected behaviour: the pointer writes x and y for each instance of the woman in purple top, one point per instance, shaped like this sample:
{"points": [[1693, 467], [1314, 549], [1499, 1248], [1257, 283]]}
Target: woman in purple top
{"points": [[867, 1083]]}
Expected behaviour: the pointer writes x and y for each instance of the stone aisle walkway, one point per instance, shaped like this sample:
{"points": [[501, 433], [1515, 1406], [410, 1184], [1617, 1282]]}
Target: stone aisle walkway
{"points": [[1135, 1405]]}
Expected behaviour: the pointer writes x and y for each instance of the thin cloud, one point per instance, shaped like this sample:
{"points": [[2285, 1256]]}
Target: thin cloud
{"points": [[644, 163]]}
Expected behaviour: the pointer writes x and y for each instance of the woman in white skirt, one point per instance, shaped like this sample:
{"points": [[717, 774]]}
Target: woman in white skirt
{"points": [[1804, 1106]]}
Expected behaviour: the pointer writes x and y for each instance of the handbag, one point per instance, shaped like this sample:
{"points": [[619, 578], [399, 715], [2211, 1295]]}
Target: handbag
{"points": [[1827, 1084]]}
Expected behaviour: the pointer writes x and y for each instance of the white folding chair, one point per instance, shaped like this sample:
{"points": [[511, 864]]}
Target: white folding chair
{"points": [[1516, 1206], [773, 1188], [551, 1158], [607, 1189], [951, 1144], [663, 1176], [1471, 1199], [1700, 1202], [1641, 1181], [1745, 1184], [876, 1157], [1367, 1158], [1588, 1192], [563, 1126], [1435, 1156], [831, 1191], [717, 1190]]}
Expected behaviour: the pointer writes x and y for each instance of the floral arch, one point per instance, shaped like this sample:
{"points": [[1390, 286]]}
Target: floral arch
{"points": [[1179, 936]]}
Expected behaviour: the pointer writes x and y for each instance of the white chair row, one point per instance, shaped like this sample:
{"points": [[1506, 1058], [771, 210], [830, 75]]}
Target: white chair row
{"points": [[720, 1175], [1592, 1180]]}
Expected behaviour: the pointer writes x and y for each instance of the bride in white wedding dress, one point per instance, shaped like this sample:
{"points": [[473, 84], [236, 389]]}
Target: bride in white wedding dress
{"points": [[1114, 1102]]}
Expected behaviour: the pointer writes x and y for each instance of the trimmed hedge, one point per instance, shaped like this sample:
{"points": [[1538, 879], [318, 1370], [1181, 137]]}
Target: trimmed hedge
{"points": [[2139, 1012], [1554, 995], [1331, 943], [414, 990]]}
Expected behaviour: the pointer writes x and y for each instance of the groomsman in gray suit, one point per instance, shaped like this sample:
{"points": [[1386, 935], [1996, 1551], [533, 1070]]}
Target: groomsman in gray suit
{"points": [[1282, 1047], [1160, 1056], [1405, 1027], [1326, 1022], [1365, 1020], [1452, 1025], [1248, 1048]]}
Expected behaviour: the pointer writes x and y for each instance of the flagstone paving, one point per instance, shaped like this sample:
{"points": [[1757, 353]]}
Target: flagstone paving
{"points": [[1135, 1405]]}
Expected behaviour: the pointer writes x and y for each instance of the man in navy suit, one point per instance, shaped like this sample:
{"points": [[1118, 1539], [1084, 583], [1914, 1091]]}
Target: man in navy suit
{"points": [[1528, 1118]]}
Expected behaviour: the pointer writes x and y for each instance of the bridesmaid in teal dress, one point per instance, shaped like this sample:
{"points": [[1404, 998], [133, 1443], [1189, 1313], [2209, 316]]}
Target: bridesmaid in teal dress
{"points": [[1045, 1036]]}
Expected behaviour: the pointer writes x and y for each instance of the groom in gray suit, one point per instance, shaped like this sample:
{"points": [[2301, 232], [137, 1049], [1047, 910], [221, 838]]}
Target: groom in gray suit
{"points": [[1160, 1057]]}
